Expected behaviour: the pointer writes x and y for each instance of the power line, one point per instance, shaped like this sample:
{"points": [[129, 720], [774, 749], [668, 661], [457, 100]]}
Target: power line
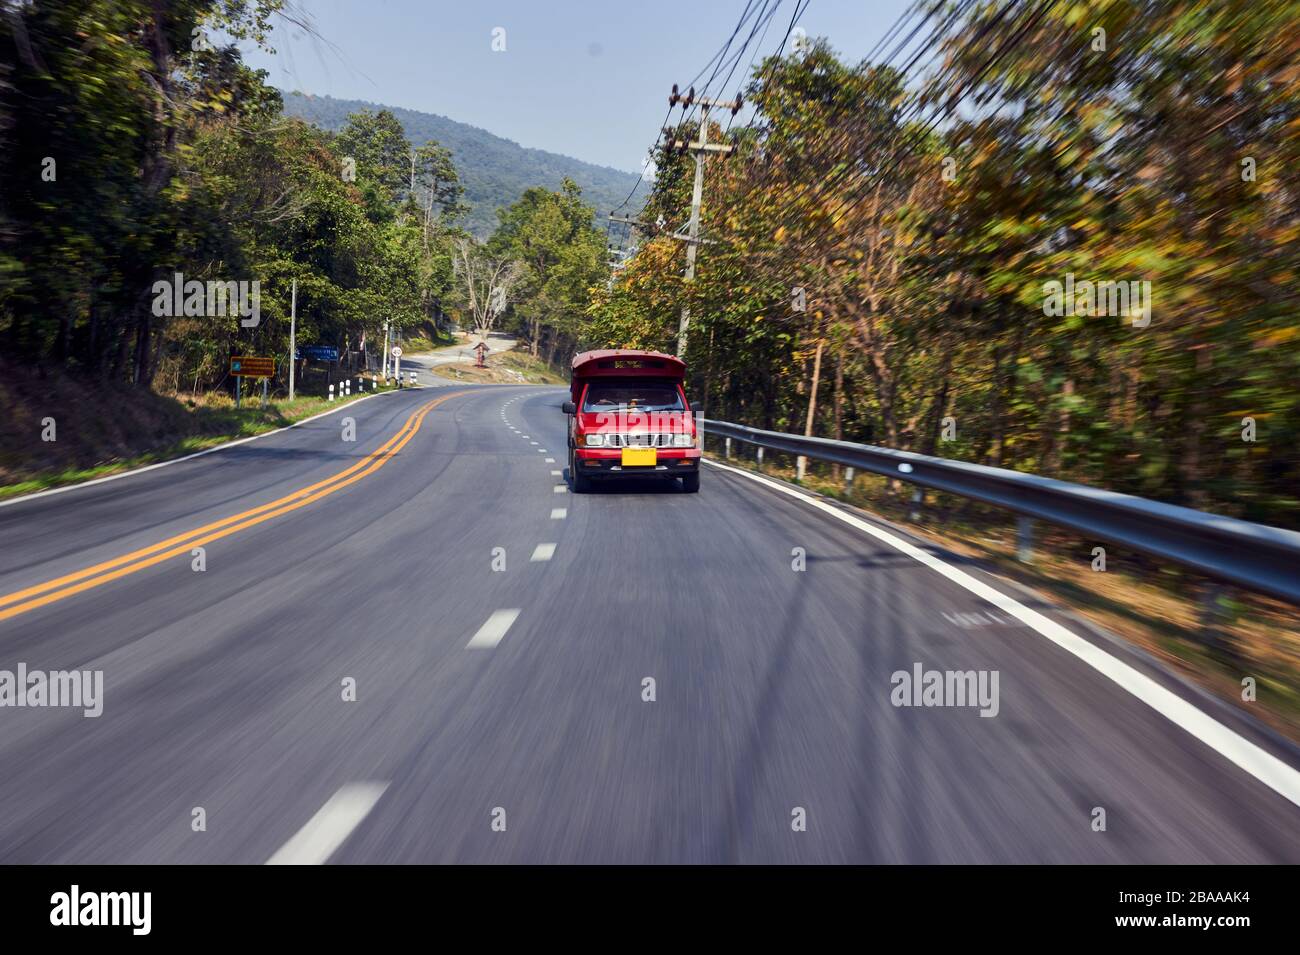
{"points": [[905, 136], [722, 51], [847, 135], [1044, 7], [794, 18], [705, 91]]}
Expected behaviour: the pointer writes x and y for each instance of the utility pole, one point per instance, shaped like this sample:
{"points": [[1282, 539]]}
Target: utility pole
{"points": [[293, 336], [700, 150], [384, 373]]}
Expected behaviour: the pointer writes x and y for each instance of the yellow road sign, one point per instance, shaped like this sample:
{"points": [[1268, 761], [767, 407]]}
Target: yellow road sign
{"points": [[249, 367]]}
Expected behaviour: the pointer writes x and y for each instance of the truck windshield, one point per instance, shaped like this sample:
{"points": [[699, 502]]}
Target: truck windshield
{"points": [[639, 396]]}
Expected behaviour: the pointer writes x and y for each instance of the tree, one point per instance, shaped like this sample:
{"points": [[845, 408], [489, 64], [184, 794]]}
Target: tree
{"points": [[378, 146], [914, 256], [168, 155], [435, 183], [486, 283], [551, 234]]}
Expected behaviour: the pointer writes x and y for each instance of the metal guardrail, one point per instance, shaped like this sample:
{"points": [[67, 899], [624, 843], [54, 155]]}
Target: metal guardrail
{"points": [[1251, 556]]}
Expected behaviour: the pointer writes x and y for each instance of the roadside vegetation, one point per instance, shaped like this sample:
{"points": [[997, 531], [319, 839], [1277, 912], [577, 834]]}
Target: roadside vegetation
{"points": [[138, 148], [138, 152], [874, 276]]}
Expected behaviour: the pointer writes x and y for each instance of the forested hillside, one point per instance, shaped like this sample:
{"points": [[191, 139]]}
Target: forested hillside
{"points": [[494, 171]]}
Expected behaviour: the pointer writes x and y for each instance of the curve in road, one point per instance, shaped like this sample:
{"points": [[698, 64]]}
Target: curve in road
{"points": [[457, 659]]}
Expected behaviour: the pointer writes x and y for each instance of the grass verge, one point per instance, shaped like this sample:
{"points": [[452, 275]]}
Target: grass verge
{"points": [[100, 430]]}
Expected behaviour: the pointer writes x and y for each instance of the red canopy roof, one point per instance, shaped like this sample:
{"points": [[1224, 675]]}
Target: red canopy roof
{"points": [[627, 361], [624, 362]]}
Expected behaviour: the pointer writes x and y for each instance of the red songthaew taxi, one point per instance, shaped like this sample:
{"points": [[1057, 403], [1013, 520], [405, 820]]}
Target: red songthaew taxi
{"points": [[630, 419]]}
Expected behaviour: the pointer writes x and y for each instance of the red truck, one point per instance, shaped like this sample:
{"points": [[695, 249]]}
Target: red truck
{"points": [[629, 418]]}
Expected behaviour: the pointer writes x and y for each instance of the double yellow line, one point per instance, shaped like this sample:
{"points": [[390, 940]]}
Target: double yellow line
{"points": [[21, 601]]}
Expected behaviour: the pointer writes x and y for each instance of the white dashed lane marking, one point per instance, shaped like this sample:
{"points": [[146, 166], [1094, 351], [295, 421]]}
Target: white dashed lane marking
{"points": [[543, 552], [490, 634], [315, 842]]}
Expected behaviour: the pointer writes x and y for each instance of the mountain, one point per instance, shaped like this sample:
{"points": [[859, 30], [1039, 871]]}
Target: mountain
{"points": [[495, 171]]}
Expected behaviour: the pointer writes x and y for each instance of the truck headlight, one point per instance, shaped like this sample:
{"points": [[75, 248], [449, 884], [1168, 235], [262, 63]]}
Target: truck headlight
{"points": [[683, 440], [595, 440]]}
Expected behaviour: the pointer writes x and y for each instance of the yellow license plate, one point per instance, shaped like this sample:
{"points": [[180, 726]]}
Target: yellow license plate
{"points": [[640, 457]]}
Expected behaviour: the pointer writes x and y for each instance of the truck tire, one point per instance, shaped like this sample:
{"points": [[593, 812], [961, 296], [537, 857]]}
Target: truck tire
{"points": [[579, 483]]}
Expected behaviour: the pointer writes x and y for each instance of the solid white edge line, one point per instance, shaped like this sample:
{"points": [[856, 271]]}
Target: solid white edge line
{"points": [[1265, 767], [493, 630], [315, 842], [190, 457]]}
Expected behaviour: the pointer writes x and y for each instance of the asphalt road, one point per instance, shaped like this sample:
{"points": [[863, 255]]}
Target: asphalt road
{"points": [[513, 698]]}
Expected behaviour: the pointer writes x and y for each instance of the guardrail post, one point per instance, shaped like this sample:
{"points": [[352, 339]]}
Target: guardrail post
{"points": [[1213, 619], [1025, 539], [918, 498]]}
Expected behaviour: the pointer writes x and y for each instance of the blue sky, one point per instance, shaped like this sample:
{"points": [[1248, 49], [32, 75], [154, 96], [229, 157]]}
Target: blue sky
{"points": [[587, 78]]}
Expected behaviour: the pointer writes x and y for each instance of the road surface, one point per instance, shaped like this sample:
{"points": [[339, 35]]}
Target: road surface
{"points": [[500, 714]]}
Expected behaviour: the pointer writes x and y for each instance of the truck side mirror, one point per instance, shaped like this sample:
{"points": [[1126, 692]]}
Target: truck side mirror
{"points": [[569, 408]]}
